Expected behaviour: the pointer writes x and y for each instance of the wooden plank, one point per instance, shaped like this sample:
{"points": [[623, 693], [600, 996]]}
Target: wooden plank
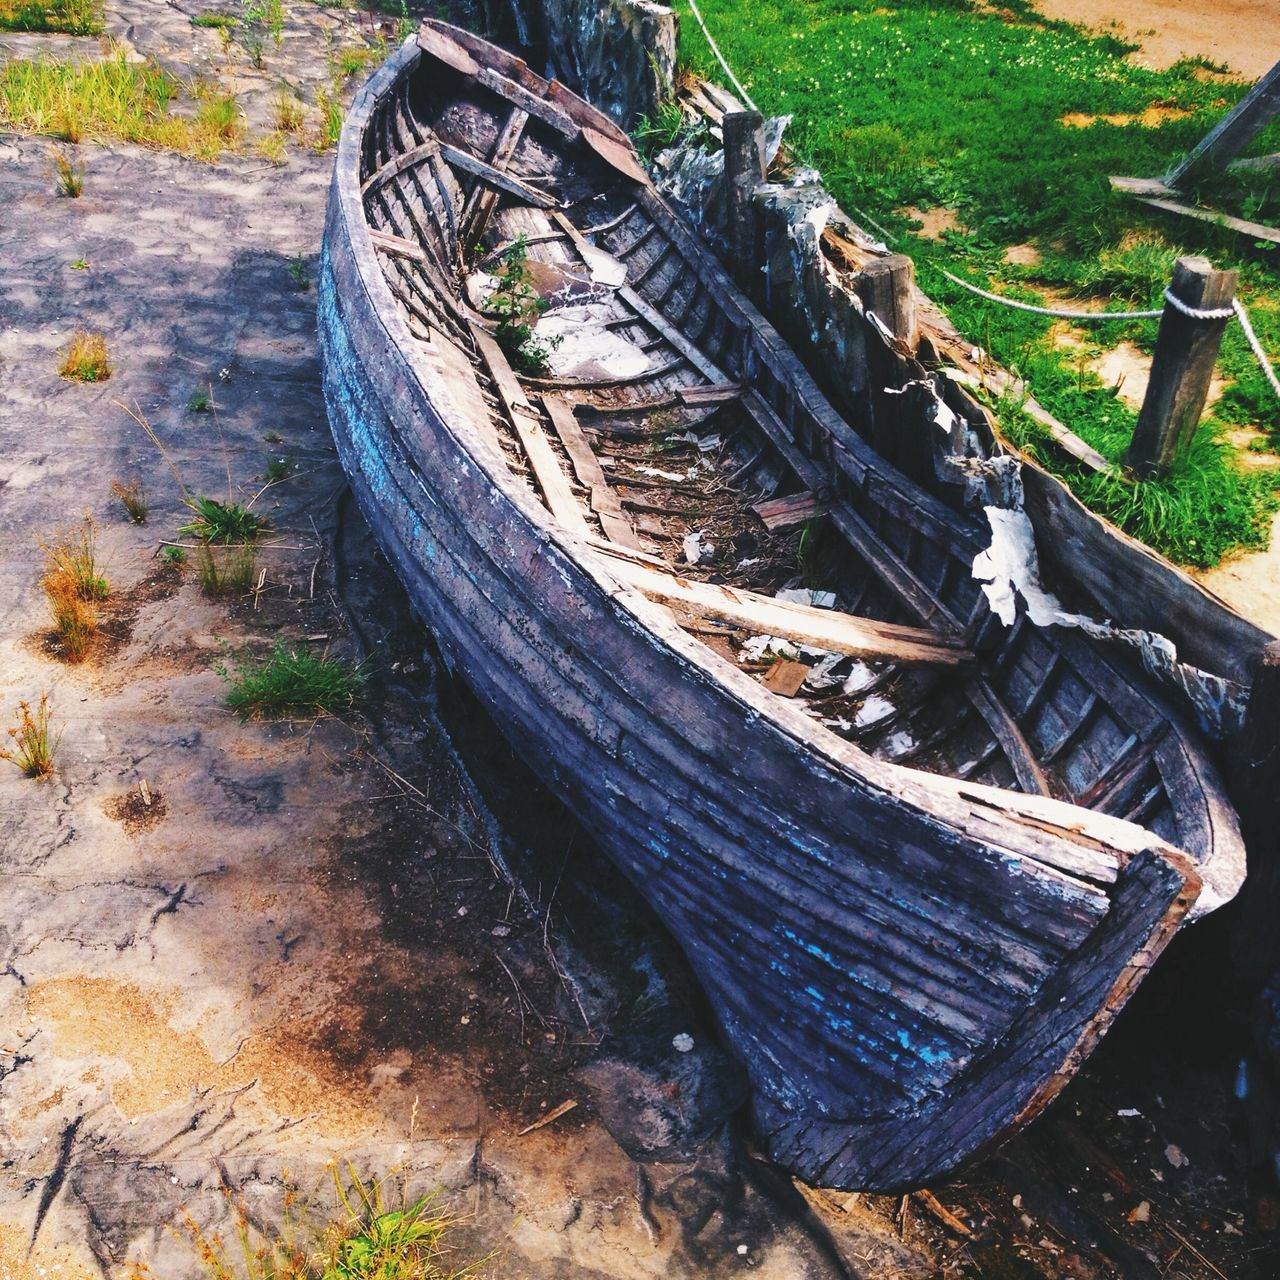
{"points": [[1254, 229], [397, 246], [586, 466], [1234, 132], [785, 513], [823, 628], [887, 287], [503, 181], [616, 155], [1016, 748], [546, 466], [483, 200], [405, 160], [527, 101], [441, 46], [717, 393], [704, 365], [1181, 369], [744, 171]]}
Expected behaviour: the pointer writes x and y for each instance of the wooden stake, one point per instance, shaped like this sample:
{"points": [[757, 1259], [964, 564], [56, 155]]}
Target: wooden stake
{"points": [[744, 170], [1186, 352], [887, 287], [1237, 129]]}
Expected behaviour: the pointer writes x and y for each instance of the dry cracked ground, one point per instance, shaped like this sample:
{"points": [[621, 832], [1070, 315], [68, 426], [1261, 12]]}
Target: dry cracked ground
{"points": [[317, 943]]}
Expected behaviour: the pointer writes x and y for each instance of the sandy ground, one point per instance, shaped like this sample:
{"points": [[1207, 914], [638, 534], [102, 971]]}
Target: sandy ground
{"points": [[1242, 34], [306, 948]]}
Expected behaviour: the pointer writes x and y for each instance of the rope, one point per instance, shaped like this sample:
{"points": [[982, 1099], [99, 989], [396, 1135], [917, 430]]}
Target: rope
{"points": [[1236, 309], [715, 48], [1252, 338]]}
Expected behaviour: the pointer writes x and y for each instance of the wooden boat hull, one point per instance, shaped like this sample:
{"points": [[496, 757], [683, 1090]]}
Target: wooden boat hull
{"points": [[908, 966]]}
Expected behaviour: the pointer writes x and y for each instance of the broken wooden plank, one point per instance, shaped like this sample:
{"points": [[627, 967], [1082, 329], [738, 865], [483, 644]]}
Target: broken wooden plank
{"points": [[786, 678], [554, 1114], [801, 624], [397, 246], [1004, 728], [1233, 132], [716, 393], [444, 48], [1245, 228], [524, 420], [785, 513], [503, 181], [406, 160]]}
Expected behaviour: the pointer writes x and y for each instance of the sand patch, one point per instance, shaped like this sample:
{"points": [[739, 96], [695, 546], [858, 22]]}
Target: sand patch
{"points": [[935, 222], [1023, 255], [1151, 117], [1250, 584]]}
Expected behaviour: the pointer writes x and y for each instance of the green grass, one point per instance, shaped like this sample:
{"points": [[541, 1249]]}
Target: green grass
{"points": [[228, 523], [290, 680], [64, 17], [113, 98], [936, 102]]}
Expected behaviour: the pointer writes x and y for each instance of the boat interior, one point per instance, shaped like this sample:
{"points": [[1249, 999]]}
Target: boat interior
{"points": [[627, 384]]}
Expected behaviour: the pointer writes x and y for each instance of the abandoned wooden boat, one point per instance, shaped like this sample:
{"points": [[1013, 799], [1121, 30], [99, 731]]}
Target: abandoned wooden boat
{"points": [[918, 859]]}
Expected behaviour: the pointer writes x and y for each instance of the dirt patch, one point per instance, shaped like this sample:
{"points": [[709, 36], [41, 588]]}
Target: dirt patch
{"points": [[136, 813], [1023, 255], [935, 221], [1152, 117], [1227, 31], [1250, 584]]}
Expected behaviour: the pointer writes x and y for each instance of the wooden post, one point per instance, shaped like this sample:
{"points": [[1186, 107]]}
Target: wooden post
{"points": [[887, 287], [1234, 132], [744, 170], [1186, 351]]}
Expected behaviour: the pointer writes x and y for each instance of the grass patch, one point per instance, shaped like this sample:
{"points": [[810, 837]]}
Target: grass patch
{"points": [[63, 17], [287, 113], [226, 570], [329, 106], [298, 271], [199, 402], [68, 175], [31, 743], [970, 108], [74, 585], [223, 522], [290, 681], [85, 359], [175, 556], [131, 498], [113, 98], [216, 21]]}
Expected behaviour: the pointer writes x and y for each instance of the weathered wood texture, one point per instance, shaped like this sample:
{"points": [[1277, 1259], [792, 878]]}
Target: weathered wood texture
{"points": [[1239, 127], [939, 952], [1182, 368], [744, 170]]}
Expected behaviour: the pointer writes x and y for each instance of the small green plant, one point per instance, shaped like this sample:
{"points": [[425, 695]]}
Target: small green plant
{"points": [[218, 118], [175, 556], [32, 745], [85, 358], [298, 270], [277, 469], [226, 570], [330, 108], [273, 437], [200, 401], [223, 522], [271, 146], [80, 264], [218, 21], [518, 306], [290, 680], [131, 499], [68, 175], [287, 112], [657, 133]]}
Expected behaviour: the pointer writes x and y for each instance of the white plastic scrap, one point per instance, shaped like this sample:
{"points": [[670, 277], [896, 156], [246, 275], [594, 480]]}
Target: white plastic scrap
{"points": [[658, 474], [822, 675], [587, 347], [802, 595], [682, 1043], [696, 551], [706, 444], [757, 646], [605, 268], [861, 677], [875, 708], [1008, 568]]}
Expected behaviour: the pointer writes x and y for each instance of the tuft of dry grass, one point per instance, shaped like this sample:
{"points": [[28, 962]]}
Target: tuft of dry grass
{"points": [[130, 495], [288, 114], [85, 359], [67, 174], [226, 570], [32, 745], [73, 584]]}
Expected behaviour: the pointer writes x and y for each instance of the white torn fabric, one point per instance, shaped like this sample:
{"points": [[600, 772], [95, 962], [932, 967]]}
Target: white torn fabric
{"points": [[874, 709], [706, 444], [696, 551], [587, 348], [659, 474], [1008, 568]]}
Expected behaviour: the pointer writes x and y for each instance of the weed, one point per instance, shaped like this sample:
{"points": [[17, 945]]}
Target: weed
{"points": [[287, 112], [74, 556], [226, 570], [131, 499], [80, 264], [224, 522], [298, 270], [348, 61], [65, 17], [518, 307], [33, 746], [175, 555], [200, 401], [290, 679], [271, 147], [85, 359], [218, 21], [277, 469], [68, 175], [330, 130], [75, 618], [657, 133], [273, 437], [218, 118], [106, 98]]}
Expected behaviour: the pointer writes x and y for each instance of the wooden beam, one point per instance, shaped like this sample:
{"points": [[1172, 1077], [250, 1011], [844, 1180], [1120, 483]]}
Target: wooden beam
{"points": [[536, 106], [405, 160], [1234, 132], [1005, 729], [482, 201], [823, 628], [1185, 355], [1245, 228], [744, 171], [503, 181], [397, 246], [705, 366], [524, 420]]}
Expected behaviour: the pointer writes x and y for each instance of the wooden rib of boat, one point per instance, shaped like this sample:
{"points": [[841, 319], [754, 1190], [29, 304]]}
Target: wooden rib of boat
{"points": [[917, 859]]}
